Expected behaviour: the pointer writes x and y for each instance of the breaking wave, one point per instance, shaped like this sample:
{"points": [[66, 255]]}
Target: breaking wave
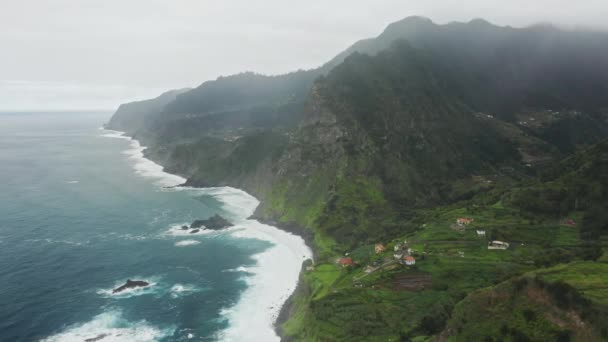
{"points": [[111, 326]]}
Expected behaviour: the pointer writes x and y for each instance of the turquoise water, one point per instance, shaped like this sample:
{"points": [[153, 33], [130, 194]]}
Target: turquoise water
{"points": [[77, 221]]}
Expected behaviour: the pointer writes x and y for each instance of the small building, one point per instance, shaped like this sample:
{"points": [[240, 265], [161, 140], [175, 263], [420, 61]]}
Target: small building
{"points": [[398, 256], [346, 262], [498, 245], [409, 260], [571, 222], [464, 221], [481, 232], [369, 269], [379, 248], [398, 246]]}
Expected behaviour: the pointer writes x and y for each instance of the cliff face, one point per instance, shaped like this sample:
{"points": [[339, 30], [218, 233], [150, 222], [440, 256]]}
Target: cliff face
{"points": [[407, 124], [135, 116], [380, 135], [419, 125]]}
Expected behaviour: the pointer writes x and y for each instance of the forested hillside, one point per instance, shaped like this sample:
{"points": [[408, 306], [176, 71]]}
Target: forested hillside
{"points": [[431, 141]]}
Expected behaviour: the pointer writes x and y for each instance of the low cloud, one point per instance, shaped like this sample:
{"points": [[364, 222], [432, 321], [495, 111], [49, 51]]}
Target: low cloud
{"points": [[158, 44]]}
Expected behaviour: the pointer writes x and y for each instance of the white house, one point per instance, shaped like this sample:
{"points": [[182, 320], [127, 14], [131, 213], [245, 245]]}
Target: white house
{"points": [[498, 245], [481, 232]]}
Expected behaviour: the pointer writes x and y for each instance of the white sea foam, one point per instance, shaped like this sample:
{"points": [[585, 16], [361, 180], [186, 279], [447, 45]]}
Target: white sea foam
{"points": [[115, 134], [185, 243], [239, 204], [177, 231], [143, 166], [240, 269], [277, 269], [179, 290], [114, 328], [271, 283]]}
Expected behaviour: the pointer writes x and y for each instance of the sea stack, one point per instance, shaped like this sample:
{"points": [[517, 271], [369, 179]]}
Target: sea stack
{"points": [[131, 284], [216, 222]]}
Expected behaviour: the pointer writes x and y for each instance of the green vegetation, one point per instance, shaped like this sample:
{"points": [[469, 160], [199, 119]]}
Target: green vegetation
{"points": [[549, 304], [453, 263], [397, 302], [395, 140]]}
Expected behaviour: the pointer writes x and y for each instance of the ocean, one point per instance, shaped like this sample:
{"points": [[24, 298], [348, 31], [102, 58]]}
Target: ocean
{"points": [[81, 211]]}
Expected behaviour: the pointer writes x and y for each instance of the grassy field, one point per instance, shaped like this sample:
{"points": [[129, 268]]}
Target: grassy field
{"points": [[589, 278]]}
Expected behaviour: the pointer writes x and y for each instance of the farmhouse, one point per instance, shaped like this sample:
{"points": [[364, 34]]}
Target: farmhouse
{"points": [[379, 248], [408, 260], [498, 245], [346, 262], [464, 220]]}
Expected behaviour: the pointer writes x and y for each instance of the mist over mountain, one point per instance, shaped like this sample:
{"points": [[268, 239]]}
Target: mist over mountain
{"points": [[499, 70], [394, 139], [134, 116]]}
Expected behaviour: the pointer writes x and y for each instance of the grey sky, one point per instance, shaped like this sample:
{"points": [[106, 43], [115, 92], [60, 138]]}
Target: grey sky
{"points": [[78, 54]]}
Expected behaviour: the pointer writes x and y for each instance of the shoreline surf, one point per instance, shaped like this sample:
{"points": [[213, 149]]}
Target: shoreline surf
{"points": [[254, 315]]}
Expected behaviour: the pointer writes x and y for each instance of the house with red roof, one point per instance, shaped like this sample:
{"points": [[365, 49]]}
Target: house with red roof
{"points": [[464, 221], [409, 260], [346, 262]]}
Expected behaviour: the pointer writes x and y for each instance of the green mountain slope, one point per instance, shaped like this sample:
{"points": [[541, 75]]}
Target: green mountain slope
{"points": [[393, 141], [563, 303], [390, 126]]}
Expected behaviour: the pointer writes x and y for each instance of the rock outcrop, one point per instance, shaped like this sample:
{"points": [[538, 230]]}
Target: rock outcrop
{"points": [[130, 284], [215, 222]]}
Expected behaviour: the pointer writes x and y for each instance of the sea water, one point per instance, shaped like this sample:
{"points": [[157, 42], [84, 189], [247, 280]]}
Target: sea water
{"points": [[81, 211]]}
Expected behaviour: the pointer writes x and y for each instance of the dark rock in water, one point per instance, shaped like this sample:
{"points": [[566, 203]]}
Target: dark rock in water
{"points": [[184, 227], [216, 222], [194, 231], [130, 284], [197, 224], [96, 338]]}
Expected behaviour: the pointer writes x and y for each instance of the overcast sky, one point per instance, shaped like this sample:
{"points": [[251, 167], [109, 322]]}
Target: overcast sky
{"points": [[95, 54]]}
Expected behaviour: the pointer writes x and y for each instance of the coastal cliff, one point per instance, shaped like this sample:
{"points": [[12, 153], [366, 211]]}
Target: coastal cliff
{"points": [[392, 141]]}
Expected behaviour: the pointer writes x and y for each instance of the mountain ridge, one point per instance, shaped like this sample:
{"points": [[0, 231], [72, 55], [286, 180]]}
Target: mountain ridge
{"points": [[432, 123]]}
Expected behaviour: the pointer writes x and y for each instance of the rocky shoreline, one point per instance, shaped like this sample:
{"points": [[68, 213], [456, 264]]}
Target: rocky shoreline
{"points": [[291, 227]]}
